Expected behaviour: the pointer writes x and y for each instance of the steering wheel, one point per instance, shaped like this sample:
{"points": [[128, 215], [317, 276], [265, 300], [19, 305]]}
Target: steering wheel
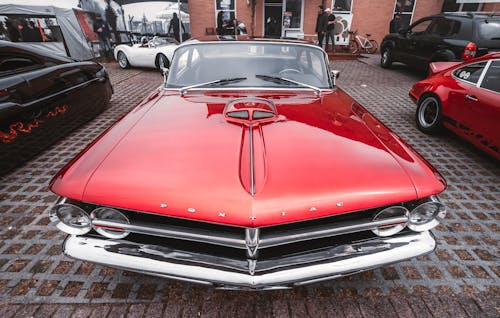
{"points": [[289, 70]]}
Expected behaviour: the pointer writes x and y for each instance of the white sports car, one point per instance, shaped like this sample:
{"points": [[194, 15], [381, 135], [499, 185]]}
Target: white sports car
{"points": [[152, 53]]}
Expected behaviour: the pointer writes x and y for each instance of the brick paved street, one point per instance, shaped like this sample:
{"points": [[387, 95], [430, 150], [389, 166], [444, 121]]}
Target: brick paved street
{"points": [[461, 279]]}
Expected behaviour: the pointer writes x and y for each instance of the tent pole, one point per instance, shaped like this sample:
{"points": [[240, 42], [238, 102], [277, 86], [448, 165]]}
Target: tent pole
{"points": [[180, 19]]}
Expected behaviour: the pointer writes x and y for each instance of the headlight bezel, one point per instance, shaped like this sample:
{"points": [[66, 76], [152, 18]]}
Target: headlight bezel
{"points": [[63, 224], [431, 221], [107, 232], [386, 231]]}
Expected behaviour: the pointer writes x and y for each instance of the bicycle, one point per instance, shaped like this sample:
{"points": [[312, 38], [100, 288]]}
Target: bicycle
{"points": [[361, 43]]}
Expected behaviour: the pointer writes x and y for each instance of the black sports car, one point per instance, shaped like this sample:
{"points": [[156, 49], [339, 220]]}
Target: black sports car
{"points": [[43, 96]]}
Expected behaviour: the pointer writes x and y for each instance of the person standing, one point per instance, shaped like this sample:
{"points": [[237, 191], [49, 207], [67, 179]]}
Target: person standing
{"points": [[321, 25], [330, 30], [175, 25], [395, 23], [221, 25], [102, 30]]}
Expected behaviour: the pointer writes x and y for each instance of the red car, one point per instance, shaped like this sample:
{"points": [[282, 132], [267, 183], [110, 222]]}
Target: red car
{"points": [[463, 97], [248, 169]]}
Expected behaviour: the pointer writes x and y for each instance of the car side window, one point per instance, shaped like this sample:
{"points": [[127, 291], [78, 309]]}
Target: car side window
{"points": [[491, 79], [420, 27], [444, 27], [470, 73], [13, 64]]}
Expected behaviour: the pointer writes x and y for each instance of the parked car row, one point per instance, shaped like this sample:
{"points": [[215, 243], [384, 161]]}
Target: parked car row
{"points": [[249, 168], [463, 87]]}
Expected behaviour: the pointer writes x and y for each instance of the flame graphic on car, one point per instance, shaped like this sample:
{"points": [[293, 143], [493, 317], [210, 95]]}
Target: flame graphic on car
{"points": [[20, 127]]}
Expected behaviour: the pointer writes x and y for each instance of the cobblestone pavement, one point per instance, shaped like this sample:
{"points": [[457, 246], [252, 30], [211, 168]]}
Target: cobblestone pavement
{"points": [[461, 278]]}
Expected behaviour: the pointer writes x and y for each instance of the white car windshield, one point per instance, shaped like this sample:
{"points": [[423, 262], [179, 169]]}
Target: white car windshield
{"points": [[248, 64]]}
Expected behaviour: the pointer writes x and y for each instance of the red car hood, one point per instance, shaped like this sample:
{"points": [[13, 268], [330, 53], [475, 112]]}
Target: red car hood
{"points": [[178, 156]]}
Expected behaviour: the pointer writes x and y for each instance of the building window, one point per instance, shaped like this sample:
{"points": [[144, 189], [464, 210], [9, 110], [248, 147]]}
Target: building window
{"points": [[405, 8], [227, 7], [342, 5], [457, 6], [292, 17]]}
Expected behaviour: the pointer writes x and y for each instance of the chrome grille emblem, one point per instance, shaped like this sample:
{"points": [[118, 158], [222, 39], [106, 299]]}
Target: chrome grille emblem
{"points": [[252, 242], [163, 205]]}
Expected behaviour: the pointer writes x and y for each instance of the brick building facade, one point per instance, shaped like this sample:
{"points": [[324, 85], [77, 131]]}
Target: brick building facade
{"points": [[297, 18]]}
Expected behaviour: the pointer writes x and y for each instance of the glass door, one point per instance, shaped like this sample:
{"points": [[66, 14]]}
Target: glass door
{"points": [[273, 13]]}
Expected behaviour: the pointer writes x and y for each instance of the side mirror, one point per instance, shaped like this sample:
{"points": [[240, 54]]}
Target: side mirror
{"points": [[334, 75]]}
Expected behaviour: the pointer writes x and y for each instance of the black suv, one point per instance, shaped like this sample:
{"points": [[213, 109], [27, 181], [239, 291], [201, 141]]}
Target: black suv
{"points": [[442, 37]]}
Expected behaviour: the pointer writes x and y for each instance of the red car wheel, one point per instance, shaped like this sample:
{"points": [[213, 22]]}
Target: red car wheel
{"points": [[429, 114]]}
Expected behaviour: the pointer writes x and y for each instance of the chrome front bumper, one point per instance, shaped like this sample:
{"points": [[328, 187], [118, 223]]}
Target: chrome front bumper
{"points": [[176, 264]]}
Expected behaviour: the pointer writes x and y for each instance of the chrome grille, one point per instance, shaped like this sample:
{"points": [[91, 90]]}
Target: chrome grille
{"points": [[252, 239]]}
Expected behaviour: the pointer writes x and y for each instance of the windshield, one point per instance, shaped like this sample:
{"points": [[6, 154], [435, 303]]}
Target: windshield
{"points": [[208, 62]]}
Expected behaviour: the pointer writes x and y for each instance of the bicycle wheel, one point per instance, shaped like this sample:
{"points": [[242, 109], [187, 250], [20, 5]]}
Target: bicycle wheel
{"points": [[373, 47], [353, 46]]}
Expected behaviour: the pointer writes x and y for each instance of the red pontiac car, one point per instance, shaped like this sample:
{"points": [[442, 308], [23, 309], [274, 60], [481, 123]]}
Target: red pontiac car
{"points": [[248, 168], [463, 97]]}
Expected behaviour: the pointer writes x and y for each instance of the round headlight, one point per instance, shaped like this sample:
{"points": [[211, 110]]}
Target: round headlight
{"points": [[71, 219], [396, 218], [108, 221], [426, 216]]}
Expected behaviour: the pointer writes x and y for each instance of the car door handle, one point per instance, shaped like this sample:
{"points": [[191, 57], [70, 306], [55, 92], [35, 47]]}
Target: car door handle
{"points": [[471, 98]]}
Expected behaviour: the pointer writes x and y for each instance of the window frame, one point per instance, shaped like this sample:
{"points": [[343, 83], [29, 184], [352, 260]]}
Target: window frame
{"points": [[217, 11], [423, 20], [37, 64], [483, 75], [394, 12], [480, 79]]}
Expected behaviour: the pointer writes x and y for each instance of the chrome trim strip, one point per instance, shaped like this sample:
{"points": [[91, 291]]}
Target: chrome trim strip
{"points": [[176, 232], [483, 74], [248, 88], [117, 254], [264, 240], [252, 164], [288, 237]]}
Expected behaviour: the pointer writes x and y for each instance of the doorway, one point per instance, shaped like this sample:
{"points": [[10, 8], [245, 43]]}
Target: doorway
{"points": [[273, 14]]}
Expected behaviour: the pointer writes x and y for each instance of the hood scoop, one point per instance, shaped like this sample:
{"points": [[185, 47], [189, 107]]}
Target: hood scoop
{"points": [[250, 111], [251, 114]]}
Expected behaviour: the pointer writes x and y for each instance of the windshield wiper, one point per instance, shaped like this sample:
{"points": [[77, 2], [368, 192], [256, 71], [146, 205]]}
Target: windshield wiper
{"points": [[223, 81], [280, 80]]}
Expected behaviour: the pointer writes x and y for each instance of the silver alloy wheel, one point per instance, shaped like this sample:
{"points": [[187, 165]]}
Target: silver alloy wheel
{"points": [[161, 60], [122, 60], [428, 113], [385, 56]]}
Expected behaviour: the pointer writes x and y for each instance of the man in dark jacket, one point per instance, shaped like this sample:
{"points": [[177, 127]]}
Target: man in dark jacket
{"points": [[174, 25], [102, 30], [395, 24], [330, 30], [321, 25]]}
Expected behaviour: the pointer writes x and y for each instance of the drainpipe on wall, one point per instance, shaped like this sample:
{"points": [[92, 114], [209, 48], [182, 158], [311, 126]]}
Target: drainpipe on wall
{"points": [[252, 27], [180, 20]]}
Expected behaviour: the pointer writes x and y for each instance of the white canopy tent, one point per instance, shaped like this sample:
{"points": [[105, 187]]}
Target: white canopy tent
{"points": [[75, 43]]}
